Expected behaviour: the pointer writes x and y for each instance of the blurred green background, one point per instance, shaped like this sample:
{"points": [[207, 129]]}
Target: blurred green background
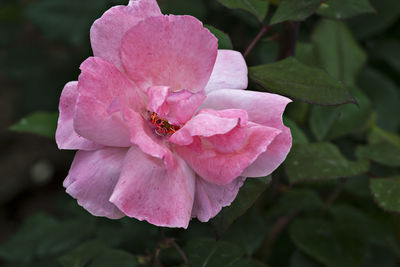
{"points": [[328, 205]]}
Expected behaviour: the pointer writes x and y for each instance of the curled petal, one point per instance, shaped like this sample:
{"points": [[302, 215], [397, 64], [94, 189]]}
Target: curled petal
{"points": [[174, 51], [230, 72], [101, 88], [107, 32], [66, 137], [148, 191], [221, 148], [262, 108], [206, 123], [92, 178], [211, 198], [176, 107]]}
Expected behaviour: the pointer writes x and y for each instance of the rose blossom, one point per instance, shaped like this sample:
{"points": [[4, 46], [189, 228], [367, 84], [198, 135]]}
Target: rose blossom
{"points": [[164, 129]]}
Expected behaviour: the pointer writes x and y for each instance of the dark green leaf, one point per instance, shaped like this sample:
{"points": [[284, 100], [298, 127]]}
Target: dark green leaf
{"points": [[298, 259], [196, 8], [67, 21], [291, 78], [305, 53], [320, 161], [297, 134], [343, 9], [377, 135], [113, 257], [322, 241], [296, 10], [386, 192], [258, 8], [384, 153], [246, 197], [337, 51], [248, 232], [387, 12], [385, 100], [209, 253], [82, 255], [388, 51], [41, 123], [328, 123], [296, 200], [41, 236], [224, 42], [248, 263]]}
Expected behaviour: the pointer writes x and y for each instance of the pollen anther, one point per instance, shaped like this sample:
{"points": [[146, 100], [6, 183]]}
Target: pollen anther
{"points": [[163, 127]]}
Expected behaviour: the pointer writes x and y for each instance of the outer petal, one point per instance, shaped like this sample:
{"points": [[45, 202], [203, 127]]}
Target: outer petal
{"points": [[262, 108], [102, 87], [176, 107], [107, 32], [66, 137], [211, 198], [92, 179], [220, 151], [147, 191], [230, 72], [174, 51]]}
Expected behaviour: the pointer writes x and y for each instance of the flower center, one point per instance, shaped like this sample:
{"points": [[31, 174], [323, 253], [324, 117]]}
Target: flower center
{"points": [[163, 127]]}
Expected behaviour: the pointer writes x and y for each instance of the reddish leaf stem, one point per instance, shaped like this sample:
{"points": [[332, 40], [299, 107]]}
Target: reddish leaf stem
{"points": [[263, 31]]}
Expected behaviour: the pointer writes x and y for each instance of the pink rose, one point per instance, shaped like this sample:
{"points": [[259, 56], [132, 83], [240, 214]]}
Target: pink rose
{"points": [[164, 129]]}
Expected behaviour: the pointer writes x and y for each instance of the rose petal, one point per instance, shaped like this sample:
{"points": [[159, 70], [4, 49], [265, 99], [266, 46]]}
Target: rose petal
{"points": [[176, 107], [92, 178], [66, 137], [211, 198], [174, 51], [147, 191], [206, 123], [101, 87], [107, 32], [220, 158], [262, 108], [230, 72]]}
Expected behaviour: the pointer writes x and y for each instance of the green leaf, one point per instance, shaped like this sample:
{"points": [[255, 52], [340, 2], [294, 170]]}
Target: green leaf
{"points": [[248, 232], [337, 51], [67, 21], [328, 123], [343, 9], [297, 134], [386, 192], [41, 123], [113, 257], [298, 259], [246, 197], [296, 200], [385, 100], [387, 51], [82, 255], [320, 161], [224, 42], [208, 252], [384, 153], [42, 236], [296, 10], [291, 78], [258, 8], [377, 135], [322, 241], [387, 12], [305, 53]]}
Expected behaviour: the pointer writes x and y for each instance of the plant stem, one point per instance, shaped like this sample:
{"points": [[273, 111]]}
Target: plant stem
{"points": [[287, 42], [263, 31]]}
